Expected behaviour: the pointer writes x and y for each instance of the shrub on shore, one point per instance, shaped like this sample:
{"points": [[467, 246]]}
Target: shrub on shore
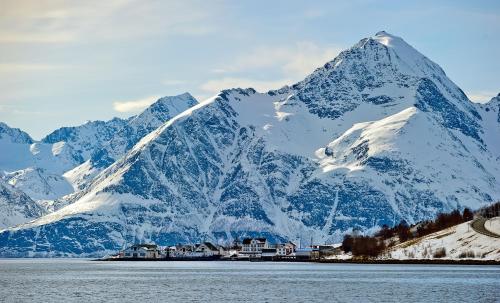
{"points": [[439, 253], [467, 254], [363, 245]]}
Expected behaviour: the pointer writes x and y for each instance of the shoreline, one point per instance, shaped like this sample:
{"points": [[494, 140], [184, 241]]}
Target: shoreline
{"points": [[328, 261], [415, 261]]}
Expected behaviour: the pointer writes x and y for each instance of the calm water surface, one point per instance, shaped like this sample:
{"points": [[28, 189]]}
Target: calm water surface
{"points": [[70, 280]]}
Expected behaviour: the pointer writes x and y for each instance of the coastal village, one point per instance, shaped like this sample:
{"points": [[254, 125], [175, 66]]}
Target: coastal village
{"points": [[450, 236], [249, 249]]}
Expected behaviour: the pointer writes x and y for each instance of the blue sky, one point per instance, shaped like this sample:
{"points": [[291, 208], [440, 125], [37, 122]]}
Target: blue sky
{"points": [[65, 62]]}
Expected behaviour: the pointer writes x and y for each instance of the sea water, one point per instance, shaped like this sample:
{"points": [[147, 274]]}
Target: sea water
{"points": [[77, 280]]}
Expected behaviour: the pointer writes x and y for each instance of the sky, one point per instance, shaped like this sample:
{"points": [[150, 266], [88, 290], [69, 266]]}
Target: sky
{"points": [[63, 63]]}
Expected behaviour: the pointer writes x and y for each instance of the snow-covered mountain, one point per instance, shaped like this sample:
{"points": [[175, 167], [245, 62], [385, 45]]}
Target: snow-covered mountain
{"points": [[14, 135], [16, 206], [377, 135], [67, 158], [34, 167], [490, 112], [119, 141], [39, 184], [86, 139]]}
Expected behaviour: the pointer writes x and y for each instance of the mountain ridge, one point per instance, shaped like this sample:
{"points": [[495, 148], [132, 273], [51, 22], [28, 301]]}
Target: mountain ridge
{"points": [[334, 152], [67, 158]]}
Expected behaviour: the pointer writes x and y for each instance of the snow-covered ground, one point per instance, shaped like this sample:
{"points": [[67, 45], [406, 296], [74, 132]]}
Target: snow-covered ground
{"points": [[460, 242], [493, 225]]}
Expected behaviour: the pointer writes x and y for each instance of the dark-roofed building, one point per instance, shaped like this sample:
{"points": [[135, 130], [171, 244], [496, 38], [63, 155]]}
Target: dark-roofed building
{"points": [[199, 250], [268, 254], [207, 249]]}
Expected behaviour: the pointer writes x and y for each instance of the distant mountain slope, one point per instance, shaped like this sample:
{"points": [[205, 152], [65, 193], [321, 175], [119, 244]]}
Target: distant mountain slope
{"points": [[116, 136], [123, 139], [69, 157], [39, 184], [490, 113], [34, 167], [14, 135], [17, 207], [375, 136], [87, 138]]}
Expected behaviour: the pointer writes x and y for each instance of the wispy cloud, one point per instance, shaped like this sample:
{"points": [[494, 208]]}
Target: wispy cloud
{"points": [[314, 13], [134, 105], [296, 61], [219, 71], [481, 97], [15, 109], [173, 82], [30, 67], [23, 37], [215, 86], [61, 21]]}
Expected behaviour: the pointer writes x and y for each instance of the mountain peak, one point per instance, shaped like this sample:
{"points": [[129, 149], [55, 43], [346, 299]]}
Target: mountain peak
{"points": [[382, 33], [386, 35], [402, 49], [168, 107], [184, 96], [15, 134]]}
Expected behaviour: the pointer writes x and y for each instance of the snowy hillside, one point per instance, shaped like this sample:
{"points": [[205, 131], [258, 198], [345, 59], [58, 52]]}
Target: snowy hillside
{"points": [[459, 242], [377, 135]]}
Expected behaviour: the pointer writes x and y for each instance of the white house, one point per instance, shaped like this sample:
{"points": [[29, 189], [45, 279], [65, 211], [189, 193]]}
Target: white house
{"points": [[141, 251], [285, 249], [205, 249], [253, 246]]}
